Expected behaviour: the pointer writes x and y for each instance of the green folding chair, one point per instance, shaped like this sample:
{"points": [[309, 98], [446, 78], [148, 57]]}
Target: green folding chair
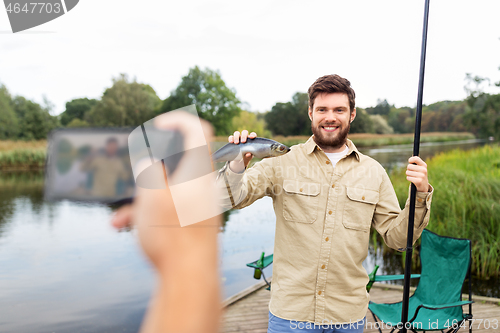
{"points": [[259, 265], [378, 278], [437, 302]]}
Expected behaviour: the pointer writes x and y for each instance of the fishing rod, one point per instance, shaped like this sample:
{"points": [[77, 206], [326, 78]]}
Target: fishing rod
{"points": [[413, 192]]}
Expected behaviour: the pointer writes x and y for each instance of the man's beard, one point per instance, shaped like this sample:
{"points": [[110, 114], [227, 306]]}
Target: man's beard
{"points": [[335, 142]]}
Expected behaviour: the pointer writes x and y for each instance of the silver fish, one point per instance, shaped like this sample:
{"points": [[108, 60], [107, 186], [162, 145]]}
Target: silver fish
{"points": [[259, 147]]}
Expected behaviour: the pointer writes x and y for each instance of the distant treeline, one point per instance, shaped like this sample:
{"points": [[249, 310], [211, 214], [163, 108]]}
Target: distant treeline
{"points": [[130, 103]]}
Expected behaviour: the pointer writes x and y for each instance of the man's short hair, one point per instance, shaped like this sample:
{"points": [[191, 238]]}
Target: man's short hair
{"points": [[330, 84], [111, 139]]}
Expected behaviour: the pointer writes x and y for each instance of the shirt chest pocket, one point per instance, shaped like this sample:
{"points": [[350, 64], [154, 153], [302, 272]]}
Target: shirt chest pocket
{"points": [[300, 201], [359, 207]]}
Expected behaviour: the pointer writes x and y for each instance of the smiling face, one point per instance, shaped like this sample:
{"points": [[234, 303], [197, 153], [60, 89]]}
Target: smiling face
{"points": [[331, 120]]}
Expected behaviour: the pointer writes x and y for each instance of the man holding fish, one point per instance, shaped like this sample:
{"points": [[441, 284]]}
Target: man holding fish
{"points": [[326, 196]]}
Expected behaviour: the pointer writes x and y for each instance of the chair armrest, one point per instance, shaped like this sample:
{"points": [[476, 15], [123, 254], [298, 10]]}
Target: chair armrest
{"points": [[439, 306], [379, 278], [447, 305]]}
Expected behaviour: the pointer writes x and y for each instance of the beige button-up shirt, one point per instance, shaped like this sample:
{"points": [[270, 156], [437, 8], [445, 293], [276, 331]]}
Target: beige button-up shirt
{"points": [[323, 219]]}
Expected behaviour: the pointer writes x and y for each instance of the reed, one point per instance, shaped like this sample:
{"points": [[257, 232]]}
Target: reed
{"points": [[9, 145], [20, 159], [466, 201]]}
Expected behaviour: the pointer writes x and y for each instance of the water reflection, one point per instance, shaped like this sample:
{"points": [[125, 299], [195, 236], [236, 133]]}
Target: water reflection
{"points": [[13, 185], [62, 266]]}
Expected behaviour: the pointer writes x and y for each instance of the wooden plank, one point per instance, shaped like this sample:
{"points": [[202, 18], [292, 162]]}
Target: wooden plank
{"points": [[248, 311], [244, 293]]}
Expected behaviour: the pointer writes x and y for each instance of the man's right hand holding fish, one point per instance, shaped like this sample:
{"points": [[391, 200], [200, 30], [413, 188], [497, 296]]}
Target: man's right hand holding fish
{"points": [[236, 138]]}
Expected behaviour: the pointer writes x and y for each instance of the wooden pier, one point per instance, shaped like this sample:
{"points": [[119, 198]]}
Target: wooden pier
{"points": [[247, 311]]}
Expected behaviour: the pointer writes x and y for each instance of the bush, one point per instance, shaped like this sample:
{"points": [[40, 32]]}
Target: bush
{"points": [[380, 125]]}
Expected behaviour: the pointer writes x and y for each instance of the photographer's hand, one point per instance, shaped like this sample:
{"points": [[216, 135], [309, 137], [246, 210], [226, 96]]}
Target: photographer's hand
{"points": [[185, 258]]}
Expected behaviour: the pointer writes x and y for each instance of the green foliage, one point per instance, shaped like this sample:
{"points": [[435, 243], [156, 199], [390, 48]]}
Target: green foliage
{"points": [[380, 125], [126, 103], [22, 159], [444, 116], [215, 102], [8, 119], [34, 121], [251, 122], [76, 122], [483, 115], [363, 123], [21, 118], [290, 118], [397, 119], [382, 108], [483, 110], [466, 201], [76, 109]]}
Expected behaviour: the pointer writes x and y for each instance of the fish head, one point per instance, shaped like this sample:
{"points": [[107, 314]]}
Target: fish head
{"points": [[278, 149]]}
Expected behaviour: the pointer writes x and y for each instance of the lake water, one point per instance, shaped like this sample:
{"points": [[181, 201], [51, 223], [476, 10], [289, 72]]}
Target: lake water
{"points": [[64, 269]]}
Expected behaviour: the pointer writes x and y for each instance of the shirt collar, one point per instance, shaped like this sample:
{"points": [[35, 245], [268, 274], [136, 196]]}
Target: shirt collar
{"points": [[310, 145]]}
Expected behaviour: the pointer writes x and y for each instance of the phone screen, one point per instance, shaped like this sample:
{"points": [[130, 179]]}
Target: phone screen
{"points": [[90, 165]]}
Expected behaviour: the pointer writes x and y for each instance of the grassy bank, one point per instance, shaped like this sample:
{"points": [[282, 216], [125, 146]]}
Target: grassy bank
{"points": [[17, 155], [466, 202], [371, 140]]}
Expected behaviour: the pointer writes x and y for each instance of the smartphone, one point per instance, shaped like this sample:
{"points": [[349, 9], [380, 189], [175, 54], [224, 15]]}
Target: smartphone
{"points": [[91, 165]]}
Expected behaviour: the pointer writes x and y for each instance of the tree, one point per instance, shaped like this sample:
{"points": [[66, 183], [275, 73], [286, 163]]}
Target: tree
{"points": [[251, 122], [380, 125], [34, 121], [76, 109], [215, 102], [8, 120], [383, 108], [483, 110], [429, 121], [290, 118], [443, 116], [124, 104], [363, 123], [77, 122], [397, 119]]}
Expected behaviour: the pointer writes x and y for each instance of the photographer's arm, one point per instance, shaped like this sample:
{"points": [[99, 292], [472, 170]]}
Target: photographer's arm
{"points": [[187, 299], [185, 258]]}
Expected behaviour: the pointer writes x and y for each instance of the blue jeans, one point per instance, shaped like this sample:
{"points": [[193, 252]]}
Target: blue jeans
{"points": [[278, 325]]}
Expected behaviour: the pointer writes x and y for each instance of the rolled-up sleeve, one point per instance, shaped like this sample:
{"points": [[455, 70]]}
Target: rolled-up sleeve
{"points": [[392, 223], [242, 189]]}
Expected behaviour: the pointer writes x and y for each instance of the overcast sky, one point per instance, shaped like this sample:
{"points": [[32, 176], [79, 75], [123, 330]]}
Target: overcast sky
{"points": [[266, 50]]}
